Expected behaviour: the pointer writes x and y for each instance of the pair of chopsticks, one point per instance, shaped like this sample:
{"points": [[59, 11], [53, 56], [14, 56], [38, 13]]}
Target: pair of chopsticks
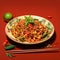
{"points": [[34, 50]]}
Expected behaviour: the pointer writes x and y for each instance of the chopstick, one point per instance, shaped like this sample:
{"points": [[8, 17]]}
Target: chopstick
{"points": [[34, 50]]}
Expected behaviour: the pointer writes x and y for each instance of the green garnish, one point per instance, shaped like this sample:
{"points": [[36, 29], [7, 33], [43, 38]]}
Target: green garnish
{"points": [[29, 20], [49, 26], [35, 19], [44, 34], [22, 39], [9, 47], [9, 54]]}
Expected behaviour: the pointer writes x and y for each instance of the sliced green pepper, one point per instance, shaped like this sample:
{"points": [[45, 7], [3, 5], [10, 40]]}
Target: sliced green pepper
{"points": [[44, 35], [22, 39], [9, 47]]}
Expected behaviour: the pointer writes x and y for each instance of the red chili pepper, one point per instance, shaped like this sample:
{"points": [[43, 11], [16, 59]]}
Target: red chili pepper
{"points": [[4, 43], [50, 17]]}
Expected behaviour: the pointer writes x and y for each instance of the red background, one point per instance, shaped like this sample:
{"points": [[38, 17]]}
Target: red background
{"points": [[36, 7]]}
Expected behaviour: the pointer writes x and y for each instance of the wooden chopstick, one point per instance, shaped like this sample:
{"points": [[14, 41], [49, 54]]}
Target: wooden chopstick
{"points": [[34, 50]]}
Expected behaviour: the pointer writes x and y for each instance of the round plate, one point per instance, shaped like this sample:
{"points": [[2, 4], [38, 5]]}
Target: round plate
{"points": [[44, 21]]}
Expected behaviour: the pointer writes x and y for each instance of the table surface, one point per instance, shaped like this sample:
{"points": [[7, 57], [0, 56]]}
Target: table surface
{"points": [[42, 8]]}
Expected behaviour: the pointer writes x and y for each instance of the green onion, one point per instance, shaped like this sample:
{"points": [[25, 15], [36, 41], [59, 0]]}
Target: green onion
{"points": [[22, 39]]}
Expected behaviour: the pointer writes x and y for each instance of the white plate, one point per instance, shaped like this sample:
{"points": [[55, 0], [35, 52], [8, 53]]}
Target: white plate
{"points": [[41, 19]]}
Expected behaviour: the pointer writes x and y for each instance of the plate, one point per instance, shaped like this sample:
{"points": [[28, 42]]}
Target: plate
{"points": [[42, 20]]}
